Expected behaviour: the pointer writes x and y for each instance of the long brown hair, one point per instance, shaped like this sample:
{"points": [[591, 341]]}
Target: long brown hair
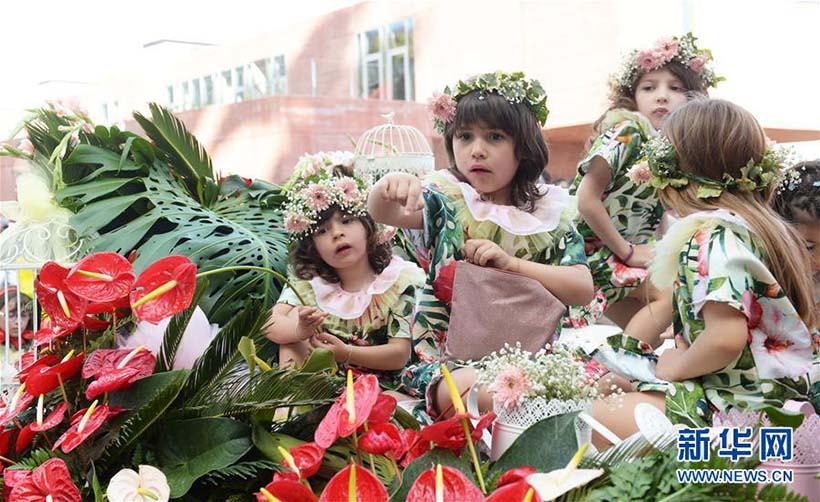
{"points": [[624, 97], [519, 122], [713, 137]]}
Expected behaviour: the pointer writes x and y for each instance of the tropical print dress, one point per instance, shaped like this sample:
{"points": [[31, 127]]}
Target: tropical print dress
{"points": [[714, 257], [455, 212], [633, 207], [371, 317]]}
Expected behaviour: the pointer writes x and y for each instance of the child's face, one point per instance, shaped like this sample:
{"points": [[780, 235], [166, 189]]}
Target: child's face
{"points": [[15, 323], [341, 241], [809, 228], [486, 157], [657, 94]]}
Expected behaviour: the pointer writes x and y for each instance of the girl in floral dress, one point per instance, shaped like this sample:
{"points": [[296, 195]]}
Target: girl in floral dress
{"points": [[742, 305], [488, 208], [620, 215], [358, 297]]}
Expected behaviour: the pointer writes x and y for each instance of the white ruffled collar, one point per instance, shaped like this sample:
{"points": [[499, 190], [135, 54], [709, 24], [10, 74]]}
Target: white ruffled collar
{"points": [[545, 217], [331, 298]]}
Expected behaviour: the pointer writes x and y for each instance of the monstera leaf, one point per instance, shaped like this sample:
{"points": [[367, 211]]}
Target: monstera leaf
{"points": [[161, 199]]}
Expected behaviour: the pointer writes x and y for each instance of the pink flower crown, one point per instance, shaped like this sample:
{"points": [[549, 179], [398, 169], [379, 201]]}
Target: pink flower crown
{"points": [[683, 50]]}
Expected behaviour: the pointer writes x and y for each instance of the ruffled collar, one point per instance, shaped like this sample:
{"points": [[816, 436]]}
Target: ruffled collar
{"points": [[664, 266], [617, 115], [545, 217], [331, 298]]}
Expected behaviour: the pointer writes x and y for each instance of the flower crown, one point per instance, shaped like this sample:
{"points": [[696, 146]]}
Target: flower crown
{"points": [[683, 50], [659, 167], [320, 181], [514, 87]]}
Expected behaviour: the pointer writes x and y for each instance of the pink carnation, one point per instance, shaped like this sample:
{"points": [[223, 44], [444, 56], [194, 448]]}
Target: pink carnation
{"points": [[510, 388], [667, 48], [639, 173], [296, 223], [317, 197], [649, 60], [349, 188], [442, 106], [698, 62]]}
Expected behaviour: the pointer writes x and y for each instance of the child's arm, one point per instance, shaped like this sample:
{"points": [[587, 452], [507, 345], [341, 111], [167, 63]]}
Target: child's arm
{"points": [[721, 341], [388, 357], [570, 284], [396, 200], [291, 324], [596, 217]]}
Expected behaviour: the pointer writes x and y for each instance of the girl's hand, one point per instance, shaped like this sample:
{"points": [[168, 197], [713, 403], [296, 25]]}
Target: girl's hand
{"points": [[642, 256], [666, 369], [310, 318], [341, 350], [486, 254], [403, 189]]}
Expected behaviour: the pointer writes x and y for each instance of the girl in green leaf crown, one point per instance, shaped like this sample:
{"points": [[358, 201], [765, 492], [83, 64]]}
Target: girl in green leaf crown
{"points": [[358, 296], [742, 304], [620, 215], [489, 208]]}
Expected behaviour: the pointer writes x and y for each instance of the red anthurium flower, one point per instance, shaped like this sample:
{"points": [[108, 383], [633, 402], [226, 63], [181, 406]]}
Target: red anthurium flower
{"points": [[451, 484], [116, 369], [382, 410], [353, 484], [341, 421], [285, 490], [44, 378], [12, 478], [514, 475], [30, 364], [50, 481], [64, 308], [5, 439], [83, 424], [101, 277], [306, 458], [49, 332], [19, 402], [164, 288], [513, 486], [91, 323], [382, 439], [449, 434], [106, 307], [443, 285], [53, 419], [414, 447], [24, 438]]}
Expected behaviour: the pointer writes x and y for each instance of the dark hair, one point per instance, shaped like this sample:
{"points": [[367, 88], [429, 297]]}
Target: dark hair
{"points": [[624, 97], [307, 264], [803, 195], [518, 121]]}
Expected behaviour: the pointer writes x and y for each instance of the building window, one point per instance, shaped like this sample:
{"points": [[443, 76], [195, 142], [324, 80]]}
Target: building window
{"points": [[278, 81], [386, 62], [207, 90], [196, 101], [239, 93]]}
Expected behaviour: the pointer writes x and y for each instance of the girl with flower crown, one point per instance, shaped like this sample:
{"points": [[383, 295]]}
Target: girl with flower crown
{"points": [[620, 215], [358, 297], [488, 208], [742, 305]]}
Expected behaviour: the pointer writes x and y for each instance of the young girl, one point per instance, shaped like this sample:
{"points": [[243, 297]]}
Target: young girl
{"points": [[488, 208], [359, 298], [620, 216], [743, 303]]}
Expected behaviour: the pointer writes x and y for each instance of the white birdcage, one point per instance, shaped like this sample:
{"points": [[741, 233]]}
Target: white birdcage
{"points": [[390, 148]]}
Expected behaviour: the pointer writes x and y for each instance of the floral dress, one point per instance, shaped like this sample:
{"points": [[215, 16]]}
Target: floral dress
{"points": [[714, 257], [633, 207], [371, 317], [455, 212]]}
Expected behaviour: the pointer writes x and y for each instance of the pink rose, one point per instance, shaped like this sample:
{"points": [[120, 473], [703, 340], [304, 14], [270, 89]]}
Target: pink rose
{"points": [[442, 106], [698, 62], [639, 173]]}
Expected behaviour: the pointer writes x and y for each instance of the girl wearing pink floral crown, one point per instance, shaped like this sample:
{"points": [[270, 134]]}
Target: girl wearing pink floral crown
{"points": [[743, 307], [620, 215], [358, 297], [489, 208]]}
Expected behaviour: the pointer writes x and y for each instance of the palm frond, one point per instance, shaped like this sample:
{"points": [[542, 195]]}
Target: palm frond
{"points": [[180, 148], [176, 328], [631, 449], [241, 470], [34, 459]]}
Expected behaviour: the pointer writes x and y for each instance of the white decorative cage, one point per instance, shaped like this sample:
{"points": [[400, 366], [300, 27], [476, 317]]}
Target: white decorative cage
{"points": [[389, 148]]}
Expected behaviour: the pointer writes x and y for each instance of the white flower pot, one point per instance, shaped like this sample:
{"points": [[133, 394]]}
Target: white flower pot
{"points": [[511, 424]]}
